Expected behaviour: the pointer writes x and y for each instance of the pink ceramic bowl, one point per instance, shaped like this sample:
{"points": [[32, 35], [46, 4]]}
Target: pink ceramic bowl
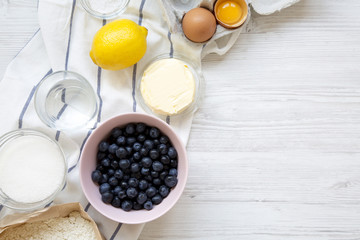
{"points": [[88, 164]]}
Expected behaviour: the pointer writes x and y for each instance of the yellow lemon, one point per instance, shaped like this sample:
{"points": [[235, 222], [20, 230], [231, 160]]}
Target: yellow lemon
{"points": [[118, 45]]}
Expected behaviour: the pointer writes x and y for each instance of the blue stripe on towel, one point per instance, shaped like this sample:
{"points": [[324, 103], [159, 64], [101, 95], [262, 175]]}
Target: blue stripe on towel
{"points": [[133, 87], [81, 148], [99, 113], [27, 43], [87, 207], [66, 65], [28, 100], [69, 39], [141, 11], [135, 66], [115, 232], [171, 54]]}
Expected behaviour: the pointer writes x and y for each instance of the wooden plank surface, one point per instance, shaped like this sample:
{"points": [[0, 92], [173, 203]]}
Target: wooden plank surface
{"points": [[274, 149]]}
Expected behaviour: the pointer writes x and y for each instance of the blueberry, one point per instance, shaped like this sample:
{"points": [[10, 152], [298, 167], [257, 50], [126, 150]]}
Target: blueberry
{"points": [[101, 168], [116, 190], [122, 194], [164, 191], [103, 146], [135, 167], [173, 163], [118, 174], [121, 153], [144, 152], [146, 162], [105, 162], [157, 199], [126, 176], [137, 156], [111, 172], [143, 184], [111, 156], [154, 132], [154, 154], [141, 198], [156, 142], [148, 144], [133, 182], [130, 141], [124, 185], [165, 159], [113, 181], [126, 205], [137, 146], [129, 150], [141, 138], [173, 172], [124, 163], [104, 178], [154, 174], [114, 164], [136, 206], [107, 197], [151, 191], [157, 181], [148, 178], [136, 175], [157, 166], [145, 171], [164, 139], [140, 127], [163, 174], [116, 202], [101, 155], [121, 141], [131, 192], [116, 132], [113, 147], [148, 205], [105, 187], [172, 152], [163, 149], [170, 181], [96, 176], [130, 128]]}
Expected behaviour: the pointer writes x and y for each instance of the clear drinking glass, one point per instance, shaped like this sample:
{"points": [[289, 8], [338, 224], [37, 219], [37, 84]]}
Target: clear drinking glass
{"points": [[65, 100]]}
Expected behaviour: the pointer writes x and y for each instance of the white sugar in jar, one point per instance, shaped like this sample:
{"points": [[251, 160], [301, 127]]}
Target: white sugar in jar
{"points": [[32, 169]]}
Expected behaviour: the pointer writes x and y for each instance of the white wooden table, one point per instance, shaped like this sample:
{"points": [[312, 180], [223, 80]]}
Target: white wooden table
{"points": [[275, 147]]}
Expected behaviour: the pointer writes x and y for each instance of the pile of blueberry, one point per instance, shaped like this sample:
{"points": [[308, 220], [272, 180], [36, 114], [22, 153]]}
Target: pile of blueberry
{"points": [[136, 167]]}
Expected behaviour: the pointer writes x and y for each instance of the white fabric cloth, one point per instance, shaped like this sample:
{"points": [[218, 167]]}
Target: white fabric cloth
{"points": [[63, 42]]}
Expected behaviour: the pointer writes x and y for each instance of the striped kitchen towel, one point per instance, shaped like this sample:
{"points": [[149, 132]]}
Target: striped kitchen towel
{"points": [[63, 42]]}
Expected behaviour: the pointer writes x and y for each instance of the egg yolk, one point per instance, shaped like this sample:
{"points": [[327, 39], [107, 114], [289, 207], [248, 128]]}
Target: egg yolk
{"points": [[229, 12]]}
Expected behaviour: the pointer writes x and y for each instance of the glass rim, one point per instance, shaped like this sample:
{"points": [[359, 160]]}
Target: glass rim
{"points": [[101, 15]]}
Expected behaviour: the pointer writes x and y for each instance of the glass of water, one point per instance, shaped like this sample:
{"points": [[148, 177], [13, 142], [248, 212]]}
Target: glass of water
{"points": [[65, 101]]}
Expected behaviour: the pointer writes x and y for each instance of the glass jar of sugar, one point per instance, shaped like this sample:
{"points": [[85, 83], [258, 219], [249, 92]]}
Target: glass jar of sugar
{"points": [[32, 169]]}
